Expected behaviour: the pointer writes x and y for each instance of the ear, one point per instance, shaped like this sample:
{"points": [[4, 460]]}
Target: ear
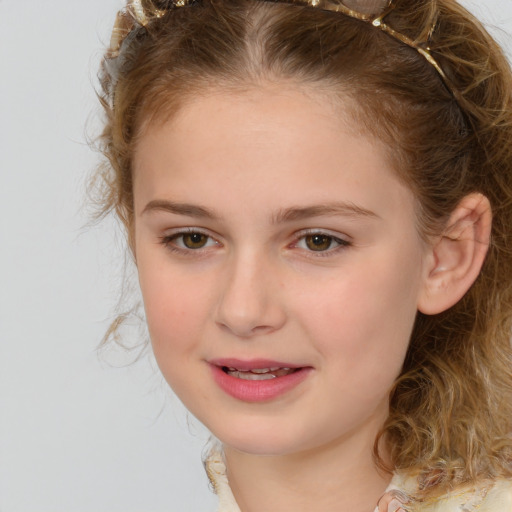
{"points": [[456, 257]]}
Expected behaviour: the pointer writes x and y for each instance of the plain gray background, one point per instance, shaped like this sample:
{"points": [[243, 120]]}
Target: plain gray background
{"points": [[77, 434]]}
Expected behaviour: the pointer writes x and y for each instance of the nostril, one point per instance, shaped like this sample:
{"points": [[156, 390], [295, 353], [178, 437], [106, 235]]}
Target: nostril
{"points": [[246, 329]]}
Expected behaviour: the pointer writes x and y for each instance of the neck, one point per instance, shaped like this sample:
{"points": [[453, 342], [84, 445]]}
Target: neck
{"points": [[337, 477]]}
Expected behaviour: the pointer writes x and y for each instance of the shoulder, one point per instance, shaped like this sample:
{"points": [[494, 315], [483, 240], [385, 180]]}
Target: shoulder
{"points": [[498, 498], [495, 496]]}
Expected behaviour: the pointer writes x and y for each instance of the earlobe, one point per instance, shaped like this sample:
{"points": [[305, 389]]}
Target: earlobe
{"points": [[457, 255]]}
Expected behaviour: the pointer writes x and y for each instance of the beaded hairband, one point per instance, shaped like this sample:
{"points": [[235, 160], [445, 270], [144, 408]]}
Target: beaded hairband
{"points": [[369, 11]]}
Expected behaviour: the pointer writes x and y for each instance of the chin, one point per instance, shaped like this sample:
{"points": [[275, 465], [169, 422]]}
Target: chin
{"points": [[263, 448], [265, 440]]}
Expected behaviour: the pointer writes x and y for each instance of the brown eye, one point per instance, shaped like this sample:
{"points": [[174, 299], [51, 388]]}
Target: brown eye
{"points": [[194, 240], [319, 242]]}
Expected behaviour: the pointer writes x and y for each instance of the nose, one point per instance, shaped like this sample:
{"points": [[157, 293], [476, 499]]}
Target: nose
{"points": [[250, 302]]}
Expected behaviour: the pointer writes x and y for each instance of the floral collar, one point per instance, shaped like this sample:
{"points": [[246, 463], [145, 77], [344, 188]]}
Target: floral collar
{"points": [[496, 497]]}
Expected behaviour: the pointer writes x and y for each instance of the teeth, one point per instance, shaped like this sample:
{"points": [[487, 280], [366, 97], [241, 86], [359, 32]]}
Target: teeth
{"points": [[258, 370], [259, 373], [253, 376]]}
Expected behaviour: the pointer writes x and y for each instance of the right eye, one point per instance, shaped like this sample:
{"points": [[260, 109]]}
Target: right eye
{"points": [[189, 240], [194, 240]]}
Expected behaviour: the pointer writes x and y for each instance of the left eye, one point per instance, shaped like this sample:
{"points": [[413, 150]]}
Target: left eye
{"points": [[320, 242]]}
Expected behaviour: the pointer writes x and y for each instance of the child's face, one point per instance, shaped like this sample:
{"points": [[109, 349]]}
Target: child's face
{"points": [[270, 235]]}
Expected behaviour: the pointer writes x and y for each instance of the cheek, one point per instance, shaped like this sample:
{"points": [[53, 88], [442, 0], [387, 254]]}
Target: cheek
{"points": [[176, 309], [364, 319], [175, 315]]}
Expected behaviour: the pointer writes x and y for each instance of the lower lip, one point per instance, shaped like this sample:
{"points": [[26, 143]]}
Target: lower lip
{"points": [[258, 390]]}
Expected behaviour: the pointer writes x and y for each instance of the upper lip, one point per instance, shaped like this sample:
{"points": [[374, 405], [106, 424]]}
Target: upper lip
{"points": [[251, 364]]}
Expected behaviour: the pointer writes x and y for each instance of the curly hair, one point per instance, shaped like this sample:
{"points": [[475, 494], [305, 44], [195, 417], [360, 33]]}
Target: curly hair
{"points": [[451, 407]]}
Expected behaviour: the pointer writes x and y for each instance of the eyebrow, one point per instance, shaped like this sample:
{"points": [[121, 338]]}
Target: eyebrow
{"points": [[282, 216], [337, 208], [189, 210]]}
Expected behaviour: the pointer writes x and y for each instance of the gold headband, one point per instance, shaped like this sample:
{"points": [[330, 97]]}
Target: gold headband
{"points": [[139, 13]]}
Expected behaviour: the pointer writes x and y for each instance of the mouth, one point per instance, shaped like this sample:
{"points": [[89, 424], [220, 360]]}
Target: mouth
{"points": [[258, 373], [257, 380]]}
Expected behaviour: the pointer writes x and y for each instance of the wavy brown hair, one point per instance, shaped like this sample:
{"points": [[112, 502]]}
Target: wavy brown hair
{"points": [[451, 408]]}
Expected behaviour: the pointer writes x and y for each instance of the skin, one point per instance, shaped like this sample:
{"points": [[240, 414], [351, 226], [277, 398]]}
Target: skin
{"points": [[257, 290]]}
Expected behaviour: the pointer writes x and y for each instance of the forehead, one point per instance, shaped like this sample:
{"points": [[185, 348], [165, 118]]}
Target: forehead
{"points": [[287, 144]]}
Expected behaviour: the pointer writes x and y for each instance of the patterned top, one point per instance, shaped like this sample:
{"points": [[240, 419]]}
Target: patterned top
{"points": [[496, 497]]}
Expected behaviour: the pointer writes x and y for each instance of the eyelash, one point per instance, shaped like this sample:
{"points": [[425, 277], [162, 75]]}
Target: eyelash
{"points": [[169, 241]]}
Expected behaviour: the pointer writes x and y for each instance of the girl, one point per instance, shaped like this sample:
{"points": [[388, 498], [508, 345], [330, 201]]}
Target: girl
{"points": [[318, 198]]}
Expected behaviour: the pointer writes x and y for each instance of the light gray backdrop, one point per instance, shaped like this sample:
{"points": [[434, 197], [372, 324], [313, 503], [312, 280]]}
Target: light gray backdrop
{"points": [[76, 434]]}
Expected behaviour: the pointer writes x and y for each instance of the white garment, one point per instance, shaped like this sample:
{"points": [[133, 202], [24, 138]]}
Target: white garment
{"points": [[496, 497]]}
